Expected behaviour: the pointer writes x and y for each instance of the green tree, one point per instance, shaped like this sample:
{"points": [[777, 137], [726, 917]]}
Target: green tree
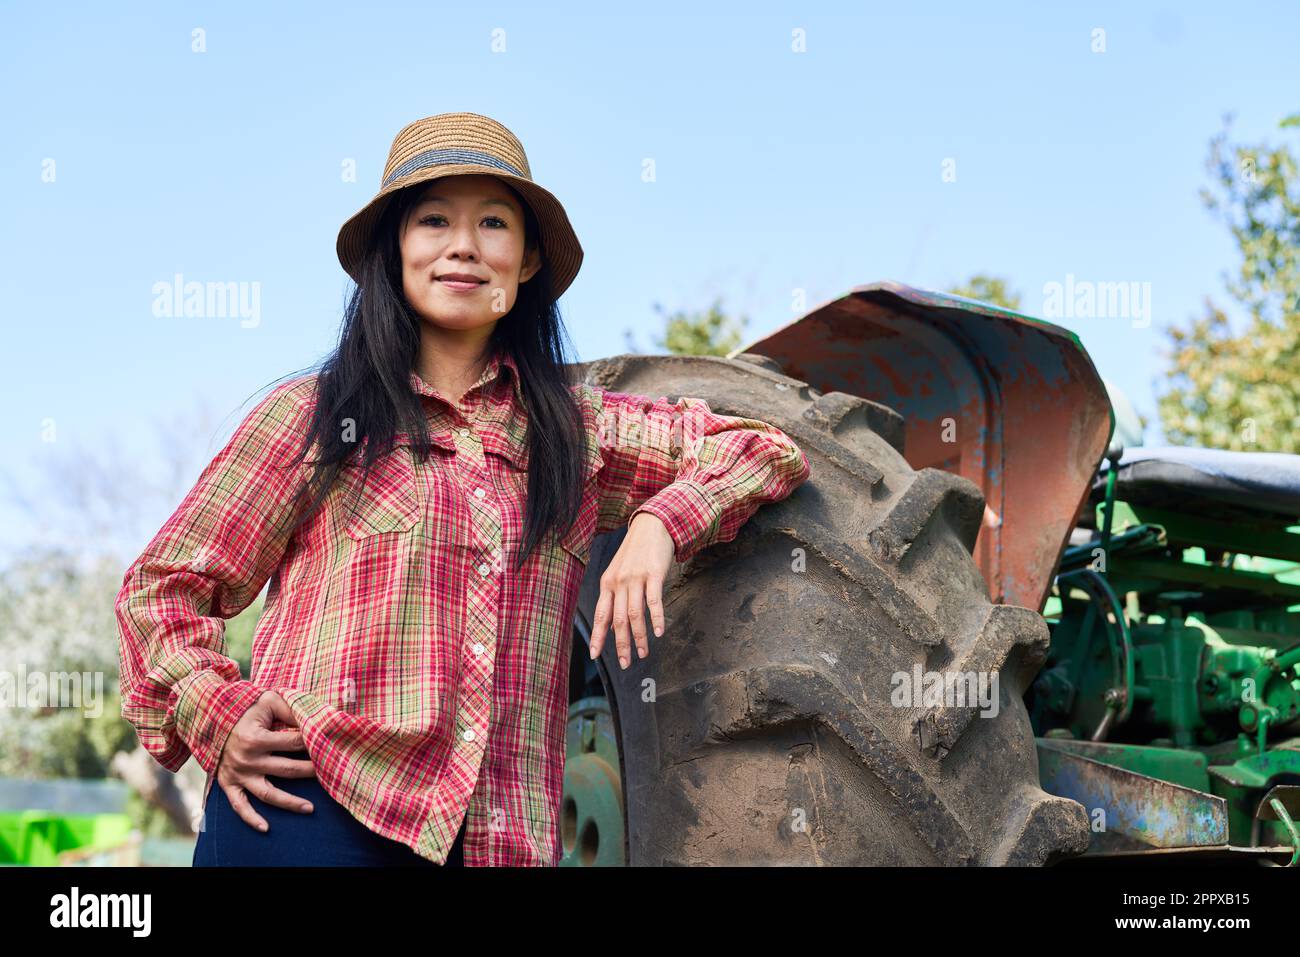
{"points": [[58, 627], [991, 289], [1240, 389], [708, 332]]}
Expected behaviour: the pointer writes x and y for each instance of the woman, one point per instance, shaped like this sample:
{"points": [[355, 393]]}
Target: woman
{"points": [[423, 509]]}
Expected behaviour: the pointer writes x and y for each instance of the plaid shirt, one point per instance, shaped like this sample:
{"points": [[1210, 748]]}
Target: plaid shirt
{"points": [[429, 680]]}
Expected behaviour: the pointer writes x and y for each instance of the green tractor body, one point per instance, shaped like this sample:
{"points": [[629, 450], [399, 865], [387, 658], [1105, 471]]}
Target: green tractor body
{"points": [[1175, 636]]}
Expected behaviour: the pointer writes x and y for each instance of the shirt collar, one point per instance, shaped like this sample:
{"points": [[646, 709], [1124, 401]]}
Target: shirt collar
{"points": [[501, 419], [494, 370]]}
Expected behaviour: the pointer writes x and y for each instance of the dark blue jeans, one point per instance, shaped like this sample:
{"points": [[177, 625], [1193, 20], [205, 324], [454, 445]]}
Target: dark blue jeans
{"points": [[327, 837]]}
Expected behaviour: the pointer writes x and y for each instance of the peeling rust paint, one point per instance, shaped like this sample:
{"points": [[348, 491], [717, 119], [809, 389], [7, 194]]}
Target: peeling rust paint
{"points": [[1030, 413]]}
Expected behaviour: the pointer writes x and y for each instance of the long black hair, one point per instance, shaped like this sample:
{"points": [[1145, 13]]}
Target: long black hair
{"points": [[366, 379]]}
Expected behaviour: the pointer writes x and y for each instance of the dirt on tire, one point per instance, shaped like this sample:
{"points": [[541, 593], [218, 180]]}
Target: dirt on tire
{"points": [[764, 728]]}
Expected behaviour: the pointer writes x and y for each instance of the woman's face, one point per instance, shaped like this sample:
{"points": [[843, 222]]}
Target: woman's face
{"points": [[469, 226]]}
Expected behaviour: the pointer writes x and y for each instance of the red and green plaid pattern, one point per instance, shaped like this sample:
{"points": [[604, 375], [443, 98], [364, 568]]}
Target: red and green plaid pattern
{"points": [[430, 681]]}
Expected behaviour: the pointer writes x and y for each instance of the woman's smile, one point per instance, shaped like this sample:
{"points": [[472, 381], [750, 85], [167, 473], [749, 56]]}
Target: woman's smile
{"points": [[460, 282]]}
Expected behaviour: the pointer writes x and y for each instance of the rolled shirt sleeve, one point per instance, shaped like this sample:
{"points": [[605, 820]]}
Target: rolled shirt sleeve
{"points": [[211, 558], [702, 474]]}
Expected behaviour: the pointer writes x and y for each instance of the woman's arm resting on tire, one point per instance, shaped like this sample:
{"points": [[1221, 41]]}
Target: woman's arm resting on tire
{"points": [[702, 475]]}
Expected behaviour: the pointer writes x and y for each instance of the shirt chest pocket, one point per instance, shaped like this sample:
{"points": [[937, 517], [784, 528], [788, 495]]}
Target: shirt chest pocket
{"points": [[577, 540], [391, 500]]}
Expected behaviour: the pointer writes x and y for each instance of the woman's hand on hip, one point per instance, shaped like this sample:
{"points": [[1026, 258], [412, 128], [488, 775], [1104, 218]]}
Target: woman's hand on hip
{"points": [[632, 582], [246, 760]]}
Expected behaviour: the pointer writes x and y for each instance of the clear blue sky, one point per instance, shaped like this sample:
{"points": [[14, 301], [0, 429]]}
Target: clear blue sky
{"points": [[776, 170]]}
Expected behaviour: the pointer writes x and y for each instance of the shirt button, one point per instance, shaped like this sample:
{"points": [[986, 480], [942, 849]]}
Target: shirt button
{"points": [[464, 432], [484, 569], [480, 492], [468, 734], [478, 647]]}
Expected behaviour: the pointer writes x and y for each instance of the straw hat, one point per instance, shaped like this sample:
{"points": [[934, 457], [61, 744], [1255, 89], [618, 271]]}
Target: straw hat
{"points": [[457, 144]]}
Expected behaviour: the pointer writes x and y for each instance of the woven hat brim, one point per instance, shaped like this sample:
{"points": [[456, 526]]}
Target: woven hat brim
{"points": [[559, 240]]}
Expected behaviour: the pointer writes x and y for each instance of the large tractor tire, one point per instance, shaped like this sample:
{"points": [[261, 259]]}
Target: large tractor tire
{"points": [[760, 730]]}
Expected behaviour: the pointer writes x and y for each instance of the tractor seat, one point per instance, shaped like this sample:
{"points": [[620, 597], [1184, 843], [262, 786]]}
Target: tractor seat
{"points": [[1183, 478]]}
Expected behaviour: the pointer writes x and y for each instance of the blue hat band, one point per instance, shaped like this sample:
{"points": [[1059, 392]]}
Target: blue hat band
{"points": [[449, 157]]}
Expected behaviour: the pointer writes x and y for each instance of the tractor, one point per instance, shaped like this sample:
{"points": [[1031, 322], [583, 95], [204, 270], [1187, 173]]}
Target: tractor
{"points": [[984, 632]]}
